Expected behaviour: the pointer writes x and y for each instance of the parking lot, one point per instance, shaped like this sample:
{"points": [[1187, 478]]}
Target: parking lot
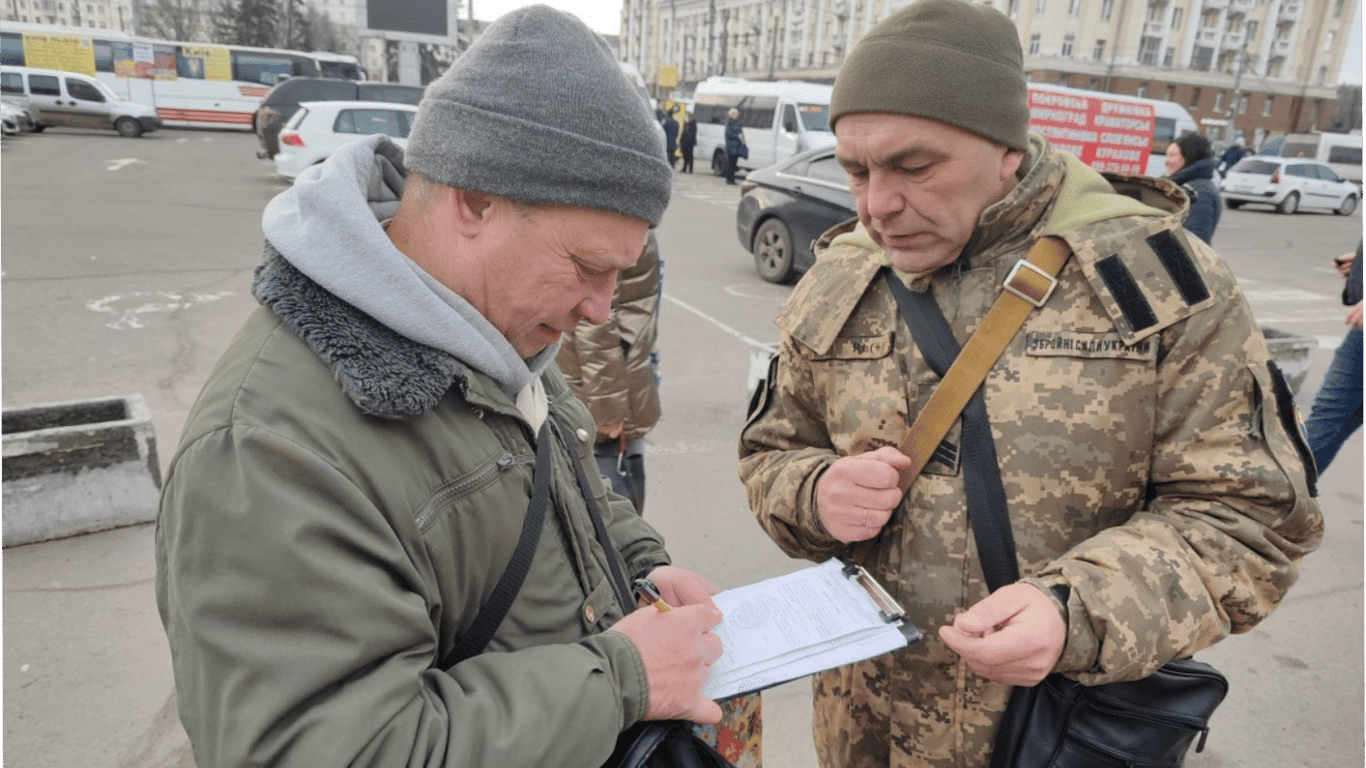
{"points": [[127, 266]]}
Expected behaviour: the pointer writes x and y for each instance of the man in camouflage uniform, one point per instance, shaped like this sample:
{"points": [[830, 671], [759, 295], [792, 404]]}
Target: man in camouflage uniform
{"points": [[1156, 480]]}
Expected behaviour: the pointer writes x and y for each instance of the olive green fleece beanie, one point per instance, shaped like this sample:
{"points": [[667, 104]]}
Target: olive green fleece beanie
{"points": [[946, 60]]}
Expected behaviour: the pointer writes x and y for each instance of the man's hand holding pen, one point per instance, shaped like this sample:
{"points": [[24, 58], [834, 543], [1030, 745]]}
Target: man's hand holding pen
{"points": [[676, 645]]}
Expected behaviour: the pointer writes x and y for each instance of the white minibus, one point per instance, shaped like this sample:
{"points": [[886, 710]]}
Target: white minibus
{"points": [[779, 118]]}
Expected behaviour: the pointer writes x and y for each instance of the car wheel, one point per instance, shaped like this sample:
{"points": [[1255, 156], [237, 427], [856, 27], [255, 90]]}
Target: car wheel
{"points": [[1349, 204], [127, 126], [718, 163], [773, 255], [39, 127], [1234, 204], [1290, 204]]}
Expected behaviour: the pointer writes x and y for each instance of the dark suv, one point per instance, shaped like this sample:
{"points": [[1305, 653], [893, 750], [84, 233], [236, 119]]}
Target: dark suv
{"points": [[283, 101]]}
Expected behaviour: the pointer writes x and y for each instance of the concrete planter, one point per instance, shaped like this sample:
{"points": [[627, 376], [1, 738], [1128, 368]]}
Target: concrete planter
{"points": [[1292, 353], [78, 467]]}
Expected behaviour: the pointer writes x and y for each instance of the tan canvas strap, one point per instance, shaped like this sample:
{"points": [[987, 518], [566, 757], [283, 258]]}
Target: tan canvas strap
{"points": [[1027, 286]]}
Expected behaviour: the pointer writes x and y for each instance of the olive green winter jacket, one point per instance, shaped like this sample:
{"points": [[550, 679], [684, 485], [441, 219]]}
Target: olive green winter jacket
{"points": [[316, 559]]}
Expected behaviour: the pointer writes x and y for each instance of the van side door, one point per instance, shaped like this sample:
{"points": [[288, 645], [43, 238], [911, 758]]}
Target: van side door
{"points": [[89, 108], [45, 95]]}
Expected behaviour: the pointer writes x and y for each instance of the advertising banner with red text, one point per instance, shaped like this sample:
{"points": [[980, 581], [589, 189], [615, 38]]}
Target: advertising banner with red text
{"points": [[1106, 134]]}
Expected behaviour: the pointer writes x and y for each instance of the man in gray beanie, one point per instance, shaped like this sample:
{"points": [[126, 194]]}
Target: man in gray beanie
{"points": [[1140, 440], [361, 467]]}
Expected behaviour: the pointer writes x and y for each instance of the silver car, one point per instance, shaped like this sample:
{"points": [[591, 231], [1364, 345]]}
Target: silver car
{"points": [[1288, 184]]}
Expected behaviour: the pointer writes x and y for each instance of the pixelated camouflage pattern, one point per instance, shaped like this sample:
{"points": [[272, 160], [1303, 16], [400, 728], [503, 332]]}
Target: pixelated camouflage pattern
{"points": [[1148, 472]]}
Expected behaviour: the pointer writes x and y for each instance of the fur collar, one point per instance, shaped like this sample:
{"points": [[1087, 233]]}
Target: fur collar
{"points": [[384, 373]]}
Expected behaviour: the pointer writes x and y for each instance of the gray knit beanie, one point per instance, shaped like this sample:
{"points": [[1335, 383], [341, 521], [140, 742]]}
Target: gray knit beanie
{"points": [[538, 111], [947, 60]]}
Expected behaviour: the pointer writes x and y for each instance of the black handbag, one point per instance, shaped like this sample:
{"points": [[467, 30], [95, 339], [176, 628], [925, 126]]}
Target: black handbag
{"points": [[1060, 723], [648, 743]]}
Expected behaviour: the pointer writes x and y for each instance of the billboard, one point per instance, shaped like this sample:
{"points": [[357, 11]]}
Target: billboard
{"points": [[419, 17], [1108, 134]]}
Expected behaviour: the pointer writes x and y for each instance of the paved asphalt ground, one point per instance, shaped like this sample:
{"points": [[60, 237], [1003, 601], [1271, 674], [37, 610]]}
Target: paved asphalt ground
{"points": [[126, 266]]}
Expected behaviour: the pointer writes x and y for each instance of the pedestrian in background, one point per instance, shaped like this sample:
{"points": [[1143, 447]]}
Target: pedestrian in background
{"points": [[613, 368], [1190, 163], [1158, 500], [1336, 414], [688, 141], [671, 136], [1235, 152], [735, 144], [352, 482]]}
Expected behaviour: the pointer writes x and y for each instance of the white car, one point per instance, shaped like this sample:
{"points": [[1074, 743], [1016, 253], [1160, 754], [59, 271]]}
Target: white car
{"points": [[1289, 184], [319, 128]]}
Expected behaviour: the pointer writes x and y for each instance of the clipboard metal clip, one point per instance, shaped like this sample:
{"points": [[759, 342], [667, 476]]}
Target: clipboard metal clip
{"points": [[891, 611]]}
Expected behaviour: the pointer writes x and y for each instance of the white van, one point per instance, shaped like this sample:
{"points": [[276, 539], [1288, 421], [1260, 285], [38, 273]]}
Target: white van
{"points": [[74, 100], [1339, 151], [779, 119]]}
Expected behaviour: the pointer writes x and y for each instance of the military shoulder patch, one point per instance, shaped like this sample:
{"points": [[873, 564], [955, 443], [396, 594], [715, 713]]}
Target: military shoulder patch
{"points": [[1144, 274]]}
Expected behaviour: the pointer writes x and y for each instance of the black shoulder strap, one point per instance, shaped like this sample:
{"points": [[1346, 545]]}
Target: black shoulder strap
{"points": [[609, 550], [481, 630], [988, 513]]}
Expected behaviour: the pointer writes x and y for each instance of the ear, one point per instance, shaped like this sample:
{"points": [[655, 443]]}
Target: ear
{"points": [[1010, 164], [471, 210]]}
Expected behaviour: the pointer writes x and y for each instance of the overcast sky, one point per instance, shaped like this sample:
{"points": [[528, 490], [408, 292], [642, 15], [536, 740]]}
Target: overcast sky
{"points": [[604, 17]]}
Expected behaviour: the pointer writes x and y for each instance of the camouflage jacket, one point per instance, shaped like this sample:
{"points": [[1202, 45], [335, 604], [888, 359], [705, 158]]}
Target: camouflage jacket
{"points": [[1148, 450], [611, 366]]}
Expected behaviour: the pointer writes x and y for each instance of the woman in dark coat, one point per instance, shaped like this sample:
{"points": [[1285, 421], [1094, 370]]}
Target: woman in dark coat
{"points": [[1190, 163], [687, 141]]}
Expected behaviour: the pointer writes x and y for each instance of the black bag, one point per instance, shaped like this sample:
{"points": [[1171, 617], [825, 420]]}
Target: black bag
{"points": [[663, 744], [1061, 723]]}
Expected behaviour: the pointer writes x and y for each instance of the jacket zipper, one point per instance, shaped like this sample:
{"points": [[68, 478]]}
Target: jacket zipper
{"points": [[481, 477]]}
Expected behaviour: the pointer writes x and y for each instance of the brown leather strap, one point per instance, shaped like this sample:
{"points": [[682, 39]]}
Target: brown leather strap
{"points": [[1028, 285]]}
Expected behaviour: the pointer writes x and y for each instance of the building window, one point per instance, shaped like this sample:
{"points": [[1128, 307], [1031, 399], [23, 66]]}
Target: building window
{"points": [[1267, 105], [1242, 105], [1337, 9], [1074, 8], [1201, 58], [1195, 97], [1142, 91], [1147, 50], [1177, 14], [1218, 100], [1252, 31], [1067, 42], [1106, 8], [1099, 52], [1014, 8], [1323, 75], [1095, 84], [1033, 45], [1171, 93], [1169, 57], [1314, 111], [1041, 7]]}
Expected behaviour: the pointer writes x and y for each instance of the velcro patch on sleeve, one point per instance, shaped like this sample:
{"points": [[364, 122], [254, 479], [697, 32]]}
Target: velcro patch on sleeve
{"points": [[1124, 288], [1179, 264]]}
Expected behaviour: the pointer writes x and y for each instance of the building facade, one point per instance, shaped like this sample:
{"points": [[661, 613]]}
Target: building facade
{"points": [[1255, 68], [92, 14]]}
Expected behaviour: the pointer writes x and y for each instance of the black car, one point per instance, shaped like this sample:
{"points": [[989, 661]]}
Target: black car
{"points": [[786, 206], [283, 100]]}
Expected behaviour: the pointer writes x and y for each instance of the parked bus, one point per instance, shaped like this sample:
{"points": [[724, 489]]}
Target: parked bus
{"points": [[1339, 151], [199, 85], [1109, 131], [779, 118]]}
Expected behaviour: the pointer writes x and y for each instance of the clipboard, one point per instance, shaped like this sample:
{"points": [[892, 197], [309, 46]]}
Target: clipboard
{"points": [[791, 626]]}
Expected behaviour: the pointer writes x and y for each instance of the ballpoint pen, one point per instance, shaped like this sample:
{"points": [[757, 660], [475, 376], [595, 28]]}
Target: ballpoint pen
{"points": [[647, 590]]}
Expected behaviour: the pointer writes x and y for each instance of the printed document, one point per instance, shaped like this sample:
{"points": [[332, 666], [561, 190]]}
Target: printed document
{"points": [[795, 625]]}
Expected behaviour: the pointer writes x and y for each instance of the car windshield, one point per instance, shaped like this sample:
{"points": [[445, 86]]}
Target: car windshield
{"points": [[104, 89], [1255, 166], [815, 117]]}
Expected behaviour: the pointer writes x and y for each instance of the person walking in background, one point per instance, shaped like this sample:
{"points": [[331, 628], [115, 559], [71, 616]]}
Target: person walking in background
{"points": [[688, 141], [1336, 413], [613, 368], [352, 483], [1235, 152], [671, 136], [1145, 450], [735, 144], [1190, 163]]}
